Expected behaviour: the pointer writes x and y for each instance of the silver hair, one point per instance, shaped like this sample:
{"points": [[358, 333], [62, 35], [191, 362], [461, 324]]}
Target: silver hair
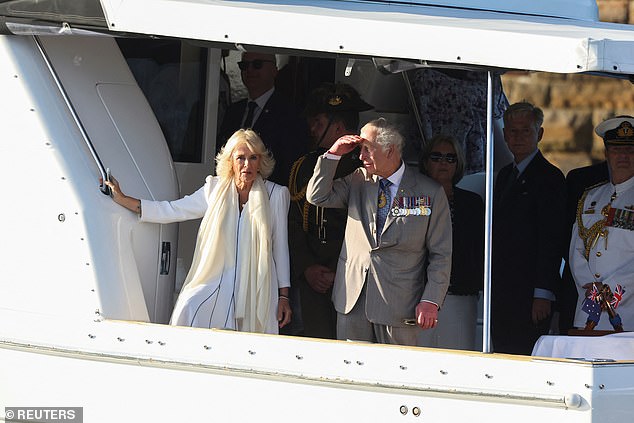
{"points": [[387, 135], [524, 108]]}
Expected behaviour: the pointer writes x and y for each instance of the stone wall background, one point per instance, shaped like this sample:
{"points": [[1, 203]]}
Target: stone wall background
{"points": [[574, 104]]}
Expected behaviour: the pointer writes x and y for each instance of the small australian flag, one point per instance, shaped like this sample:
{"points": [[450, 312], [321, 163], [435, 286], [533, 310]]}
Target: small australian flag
{"points": [[592, 308]]}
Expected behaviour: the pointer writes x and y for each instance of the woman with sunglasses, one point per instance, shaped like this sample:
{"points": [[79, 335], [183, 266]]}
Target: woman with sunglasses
{"points": [[443, 160]]}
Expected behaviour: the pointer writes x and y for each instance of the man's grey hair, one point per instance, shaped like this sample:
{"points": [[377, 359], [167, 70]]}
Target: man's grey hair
{"points": [[524, 108], [387, 135]]}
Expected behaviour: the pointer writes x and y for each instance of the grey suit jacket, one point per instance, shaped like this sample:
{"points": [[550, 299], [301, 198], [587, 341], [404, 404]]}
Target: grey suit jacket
{"points": [[412, 262]]}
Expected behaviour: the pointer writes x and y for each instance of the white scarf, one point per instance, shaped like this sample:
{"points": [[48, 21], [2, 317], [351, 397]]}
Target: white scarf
{"points": [[219, 238]]}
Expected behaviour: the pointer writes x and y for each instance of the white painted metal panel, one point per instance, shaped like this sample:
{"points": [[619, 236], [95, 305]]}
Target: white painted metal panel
{"points": [[230, 376], [573, 9], [68, 249], [388, 30], [47, 265], [141, 139]]}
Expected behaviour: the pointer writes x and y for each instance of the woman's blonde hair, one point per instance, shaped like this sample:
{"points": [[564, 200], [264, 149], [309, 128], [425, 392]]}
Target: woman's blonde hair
{"points": [[248, 137]]}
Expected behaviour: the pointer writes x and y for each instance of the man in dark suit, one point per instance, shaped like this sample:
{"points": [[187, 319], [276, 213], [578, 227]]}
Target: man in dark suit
{"points": [[577, 181], [528, 236], [268, 113], [393, 269]]}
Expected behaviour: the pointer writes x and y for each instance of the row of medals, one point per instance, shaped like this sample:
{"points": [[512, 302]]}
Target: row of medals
{"points": [[411, 206]]}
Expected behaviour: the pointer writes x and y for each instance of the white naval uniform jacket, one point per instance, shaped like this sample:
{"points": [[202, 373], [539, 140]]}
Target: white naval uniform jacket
{"points": [[610, 262]]}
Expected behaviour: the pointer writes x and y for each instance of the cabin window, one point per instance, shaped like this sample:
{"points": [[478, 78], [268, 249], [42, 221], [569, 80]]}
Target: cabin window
{"points": [[172, 76]]}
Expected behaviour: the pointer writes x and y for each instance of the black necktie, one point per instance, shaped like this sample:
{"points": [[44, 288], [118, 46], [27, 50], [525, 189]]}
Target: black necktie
{"points": [[510, 181], [248, 121]]}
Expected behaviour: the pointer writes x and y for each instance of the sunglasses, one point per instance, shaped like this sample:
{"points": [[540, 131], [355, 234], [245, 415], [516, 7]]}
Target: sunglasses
{"points": [[437, 157], [257, 64]]}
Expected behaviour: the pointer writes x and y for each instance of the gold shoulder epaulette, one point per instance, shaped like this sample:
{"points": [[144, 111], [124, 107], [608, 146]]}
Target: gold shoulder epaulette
{"points": [[292, 181], [299, 195]]}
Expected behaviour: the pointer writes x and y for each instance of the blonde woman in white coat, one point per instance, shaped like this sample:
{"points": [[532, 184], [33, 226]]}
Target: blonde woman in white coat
{"points": [[240, 274]]}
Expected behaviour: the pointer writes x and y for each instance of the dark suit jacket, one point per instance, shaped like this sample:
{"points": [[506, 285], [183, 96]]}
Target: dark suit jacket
{"points": [[306, 247], [317, 243], [577, 181], [467, 266], [280, 127], [528, 235]]}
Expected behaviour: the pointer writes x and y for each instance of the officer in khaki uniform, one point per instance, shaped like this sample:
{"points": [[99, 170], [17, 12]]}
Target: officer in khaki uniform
{"points": [[316, 233], [602, 244]]}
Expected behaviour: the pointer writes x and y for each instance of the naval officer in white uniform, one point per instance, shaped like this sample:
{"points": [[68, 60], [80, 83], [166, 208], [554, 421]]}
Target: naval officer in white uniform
{"points": [[602, 244]]}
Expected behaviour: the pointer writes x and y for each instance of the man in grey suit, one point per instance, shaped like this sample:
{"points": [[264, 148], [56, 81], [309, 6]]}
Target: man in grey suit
{"points": [[394, 265]]}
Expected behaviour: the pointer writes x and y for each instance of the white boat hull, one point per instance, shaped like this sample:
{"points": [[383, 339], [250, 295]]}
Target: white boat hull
{"points": [[126, 371], [80, 282]]}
